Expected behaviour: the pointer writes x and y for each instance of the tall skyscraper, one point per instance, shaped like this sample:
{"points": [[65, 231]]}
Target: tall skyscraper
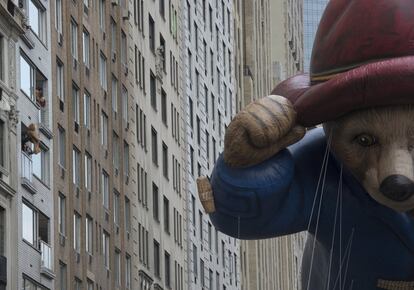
{"points": [[208, 93], [312, 13], [272, 263], [94, 178], [158, 158]]}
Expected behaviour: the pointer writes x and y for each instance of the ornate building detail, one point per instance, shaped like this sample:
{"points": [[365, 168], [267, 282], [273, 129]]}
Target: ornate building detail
{"points": [[160, 62]]}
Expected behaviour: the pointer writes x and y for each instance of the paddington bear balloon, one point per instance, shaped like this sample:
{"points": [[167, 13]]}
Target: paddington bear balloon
{"points": [[350, 185]]}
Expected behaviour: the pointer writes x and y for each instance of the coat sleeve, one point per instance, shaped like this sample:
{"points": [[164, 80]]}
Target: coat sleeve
{"points": [[262, 201]]}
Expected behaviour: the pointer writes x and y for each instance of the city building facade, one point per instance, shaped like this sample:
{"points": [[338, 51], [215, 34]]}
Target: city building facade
{"points": [[92, 124], [312, 13], [13, 24], [272, 263], [256, 50], [35, 216], [158, 149], [208, 95]]}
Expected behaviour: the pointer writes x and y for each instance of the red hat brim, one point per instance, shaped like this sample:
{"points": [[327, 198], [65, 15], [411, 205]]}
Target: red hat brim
{"points": [[380, 83]]}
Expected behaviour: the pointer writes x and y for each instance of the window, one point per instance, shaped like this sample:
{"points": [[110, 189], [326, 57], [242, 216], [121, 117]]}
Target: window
{"points": [[198, 131], [155, 202], [90, 285], [75, 107], [167, 270], [162, 8], [165, 160], [31, 81], [153, 91], [59, 21], [86, 45], [114, 95], [60, 81], [164, 107], [28, 224], [195, 261], [191, 108], [102, 71], [105, 248], [62, 214], [62, 147], [37, 20], [2, 144], [62, 276], [76, 232], [200, 215], [74, 39], [102, 12], [76, 167], [113, 39], [89, 235], [115, 152], [40, 163], [124, 105], [209, 236], [151, 27], [166, 215], [104, 130], [202, 278], [28, 284], [126, 160], [86, 6], [117, 268], [124, 49], [193, 208], [116, 208], [154, 143], [128, 272], [156, 259], [192, 160], [127, 215], [105, 189], [77, 284], [88, 172], [87, 109]]}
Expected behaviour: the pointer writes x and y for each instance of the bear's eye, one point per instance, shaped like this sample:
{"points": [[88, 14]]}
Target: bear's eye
{"points": [[366, 140]]}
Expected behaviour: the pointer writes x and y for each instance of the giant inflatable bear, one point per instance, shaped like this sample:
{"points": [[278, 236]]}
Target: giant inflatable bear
{"points": [[350, 184]]}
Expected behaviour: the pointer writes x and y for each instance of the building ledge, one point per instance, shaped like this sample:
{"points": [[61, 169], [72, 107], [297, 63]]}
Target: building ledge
{"points": [[7, 188], [48, 273], [14, 16], [46, 131], [29, 185]]}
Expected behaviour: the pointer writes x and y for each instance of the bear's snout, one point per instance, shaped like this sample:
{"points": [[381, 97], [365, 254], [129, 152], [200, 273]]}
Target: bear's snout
{"points": [[397, 187]]}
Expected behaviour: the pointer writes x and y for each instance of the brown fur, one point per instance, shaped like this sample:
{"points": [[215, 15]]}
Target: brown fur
{"points": [[393, 128]]}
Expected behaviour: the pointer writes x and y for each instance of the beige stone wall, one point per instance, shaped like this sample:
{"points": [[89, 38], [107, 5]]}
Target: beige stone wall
{"points": [[273, 51]]}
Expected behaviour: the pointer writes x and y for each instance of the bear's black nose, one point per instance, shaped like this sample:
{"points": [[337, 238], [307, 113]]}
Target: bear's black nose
{"points": [[397, 187]]}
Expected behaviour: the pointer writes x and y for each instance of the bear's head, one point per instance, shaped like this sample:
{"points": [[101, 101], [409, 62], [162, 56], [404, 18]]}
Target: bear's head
{"points": [[377, 146], [361, 88]]}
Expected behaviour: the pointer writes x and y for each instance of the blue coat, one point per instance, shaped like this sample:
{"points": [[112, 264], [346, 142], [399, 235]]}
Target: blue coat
{"points": [[276, 198]]}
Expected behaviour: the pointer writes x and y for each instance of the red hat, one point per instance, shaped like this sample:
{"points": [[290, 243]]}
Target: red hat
{"points": [[363, 56]]}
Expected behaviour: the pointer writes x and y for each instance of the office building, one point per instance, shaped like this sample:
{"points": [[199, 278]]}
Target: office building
{"points": [[93, 176], [157, 149], [208, 94], [273, 263]]}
